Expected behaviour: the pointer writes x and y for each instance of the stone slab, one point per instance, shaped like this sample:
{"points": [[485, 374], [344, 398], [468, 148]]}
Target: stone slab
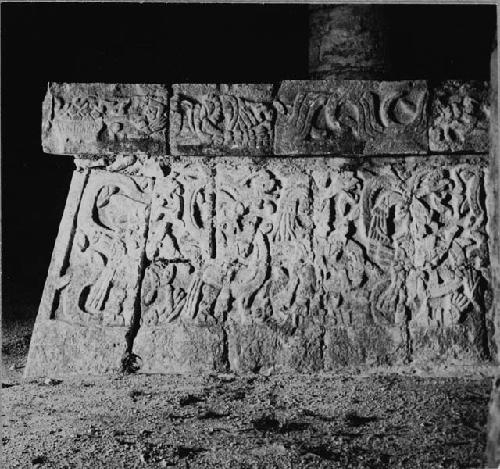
{"points": [[222, 120], [100, 118], [460, 117], [181, 348], [257, 347], [334, 117], [59, 348]]}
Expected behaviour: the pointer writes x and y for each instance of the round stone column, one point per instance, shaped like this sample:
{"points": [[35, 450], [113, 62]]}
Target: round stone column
{"points": [[348, 42]]}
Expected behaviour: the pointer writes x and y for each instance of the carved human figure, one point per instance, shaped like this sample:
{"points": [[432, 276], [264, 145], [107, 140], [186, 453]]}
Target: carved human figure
{"points": [[181, 216], [100, 282]]}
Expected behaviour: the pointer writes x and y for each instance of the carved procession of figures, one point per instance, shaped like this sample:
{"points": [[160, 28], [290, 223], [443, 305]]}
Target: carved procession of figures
{"points": [[382, 245]]}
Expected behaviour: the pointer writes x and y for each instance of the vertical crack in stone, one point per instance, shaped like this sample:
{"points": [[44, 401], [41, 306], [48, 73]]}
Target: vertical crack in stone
{"points": [[130, 361], [213, 214], [408, 339], [224, 359], [322, 348], [488, 308]]}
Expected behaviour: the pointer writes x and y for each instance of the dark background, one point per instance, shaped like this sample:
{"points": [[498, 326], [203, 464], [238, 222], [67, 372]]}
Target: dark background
{"points": [[141, 43]]}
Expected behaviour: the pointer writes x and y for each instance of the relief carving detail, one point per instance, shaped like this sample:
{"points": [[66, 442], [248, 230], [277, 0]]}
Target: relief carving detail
{"points": [[225, 119], [99, 118], [351, 117], [101, 281]]}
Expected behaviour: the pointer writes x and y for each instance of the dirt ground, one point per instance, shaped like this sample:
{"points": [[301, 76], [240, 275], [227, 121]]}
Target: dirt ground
{"points": [[410, 418]]}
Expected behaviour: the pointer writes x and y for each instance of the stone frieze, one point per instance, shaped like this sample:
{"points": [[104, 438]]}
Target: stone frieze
{"points": [[292, 118]]}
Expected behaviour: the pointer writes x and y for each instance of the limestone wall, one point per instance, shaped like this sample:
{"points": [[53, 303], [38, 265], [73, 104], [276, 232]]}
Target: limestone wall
{"points": [[306, 225]]}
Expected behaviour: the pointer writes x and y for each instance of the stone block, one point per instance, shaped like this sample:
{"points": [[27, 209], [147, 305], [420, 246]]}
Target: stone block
{"points": [[100, 118], [334, 117], [58, 348], [222, 120], [460, 117], [364, 346], [305, 349], [255, 347], [457, 344], [181, 348]]}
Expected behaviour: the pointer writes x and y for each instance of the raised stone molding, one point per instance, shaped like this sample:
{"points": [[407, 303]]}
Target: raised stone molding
{"points": [[126, 127], [305, 264]]}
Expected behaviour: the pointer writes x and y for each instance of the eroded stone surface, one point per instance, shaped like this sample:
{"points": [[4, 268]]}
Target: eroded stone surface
{"points": [[351, 118], [222, 120], [460, 114], [97, 118]]}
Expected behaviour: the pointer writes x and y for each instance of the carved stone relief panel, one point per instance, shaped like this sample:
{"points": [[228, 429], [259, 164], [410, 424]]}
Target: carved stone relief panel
{"points": [[386, 247], [263, 245], [180, 248], [351, 117], [430, 224], [318, 262], [460, 114], [222, 120], [100, 281], [96, 118], [344, 270]]}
